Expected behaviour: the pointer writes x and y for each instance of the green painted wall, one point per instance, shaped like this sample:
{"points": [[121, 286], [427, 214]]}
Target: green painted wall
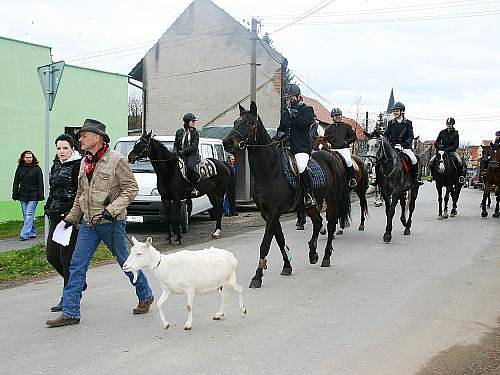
{"points": [[83, 93]]}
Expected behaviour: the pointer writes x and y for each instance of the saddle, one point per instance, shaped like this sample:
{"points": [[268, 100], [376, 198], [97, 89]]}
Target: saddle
{"points": [[341, 158], [205, 168], [290, 169]]}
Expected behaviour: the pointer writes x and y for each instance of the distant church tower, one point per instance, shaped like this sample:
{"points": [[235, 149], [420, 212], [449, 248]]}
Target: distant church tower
{"points": [[385, 116], [390, 104]]}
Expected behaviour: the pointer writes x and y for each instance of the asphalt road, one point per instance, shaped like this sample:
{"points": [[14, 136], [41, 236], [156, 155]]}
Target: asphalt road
{"points": [[380, 309]]}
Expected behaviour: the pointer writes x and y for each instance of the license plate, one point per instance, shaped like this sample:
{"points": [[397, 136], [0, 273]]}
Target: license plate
{"points": [[135, 219]]}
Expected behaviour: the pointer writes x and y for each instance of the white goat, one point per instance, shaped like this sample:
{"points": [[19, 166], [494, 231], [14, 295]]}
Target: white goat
{"points": [[187, 272]]}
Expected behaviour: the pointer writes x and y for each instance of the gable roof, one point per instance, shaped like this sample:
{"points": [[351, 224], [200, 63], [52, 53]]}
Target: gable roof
{"points": [[137, 71]]}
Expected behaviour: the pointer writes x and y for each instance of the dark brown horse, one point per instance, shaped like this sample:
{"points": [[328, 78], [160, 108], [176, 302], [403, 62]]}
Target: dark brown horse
{"points": [[274, 196], [361, 179], [492, 178]]}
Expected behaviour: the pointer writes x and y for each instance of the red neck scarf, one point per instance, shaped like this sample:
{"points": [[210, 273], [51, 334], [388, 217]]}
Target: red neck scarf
{"points": [[91, 160]]}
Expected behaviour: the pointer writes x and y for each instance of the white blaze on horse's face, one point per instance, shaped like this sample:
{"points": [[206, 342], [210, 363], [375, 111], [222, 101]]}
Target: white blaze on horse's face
{"points": [[440, 157], [374, 145]]}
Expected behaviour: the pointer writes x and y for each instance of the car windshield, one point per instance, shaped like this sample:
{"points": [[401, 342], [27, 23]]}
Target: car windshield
{"points": [[142, 165]]}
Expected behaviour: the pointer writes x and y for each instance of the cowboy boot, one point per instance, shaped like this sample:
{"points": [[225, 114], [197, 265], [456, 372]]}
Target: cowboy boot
{"points": [[309, 200], [352, 181], [416, 177]]}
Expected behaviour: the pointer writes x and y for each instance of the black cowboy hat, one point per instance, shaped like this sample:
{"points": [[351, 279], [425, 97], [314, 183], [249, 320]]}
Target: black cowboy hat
{"points": [[93, 126]]}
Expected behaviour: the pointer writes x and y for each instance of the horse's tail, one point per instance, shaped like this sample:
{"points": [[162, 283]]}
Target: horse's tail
{"points": [[344, 204]]}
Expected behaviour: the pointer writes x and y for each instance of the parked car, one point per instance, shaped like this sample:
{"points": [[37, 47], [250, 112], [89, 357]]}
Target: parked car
{"points": [[147, 206]]}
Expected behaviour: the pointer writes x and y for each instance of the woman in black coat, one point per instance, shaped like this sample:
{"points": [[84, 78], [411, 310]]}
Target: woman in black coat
{"points": [[28, 189], [63, 186]]}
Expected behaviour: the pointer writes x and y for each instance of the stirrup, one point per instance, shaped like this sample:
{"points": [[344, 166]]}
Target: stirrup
{"points": [[353, 183], [195, 192], [309, 200], [461, 180]]}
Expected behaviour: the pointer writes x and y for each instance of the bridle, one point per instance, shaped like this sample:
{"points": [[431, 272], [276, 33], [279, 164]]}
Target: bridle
{"points": [[142, 156], [252, 133], [378, 160]]}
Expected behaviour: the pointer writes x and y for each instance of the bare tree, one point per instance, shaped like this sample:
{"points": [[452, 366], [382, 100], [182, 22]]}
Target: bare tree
{"points": [[134, 111]]}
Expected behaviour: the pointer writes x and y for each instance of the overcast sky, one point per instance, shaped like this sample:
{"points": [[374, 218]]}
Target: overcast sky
{"points": [[441, 57]]}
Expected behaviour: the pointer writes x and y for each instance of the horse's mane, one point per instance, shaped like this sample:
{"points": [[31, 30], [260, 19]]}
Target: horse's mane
{"points": [[161, 148]]}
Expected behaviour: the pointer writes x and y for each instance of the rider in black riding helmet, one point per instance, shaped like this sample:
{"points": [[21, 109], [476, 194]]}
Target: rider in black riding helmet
{"points": [[448, 140], [340, 135], [296, 121], [400, 134], [497, 138], [186, 146]]}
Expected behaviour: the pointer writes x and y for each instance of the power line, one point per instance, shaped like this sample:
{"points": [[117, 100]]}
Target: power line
{"points": [[392, 20], [310, 12], [270, 53], [200, 71]]}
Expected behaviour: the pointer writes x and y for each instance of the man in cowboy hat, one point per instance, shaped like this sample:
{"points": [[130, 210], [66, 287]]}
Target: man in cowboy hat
{"points": [[106, 186]]}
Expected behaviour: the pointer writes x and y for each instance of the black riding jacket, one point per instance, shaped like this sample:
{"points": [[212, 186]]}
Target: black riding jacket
{"points": [[63, 186], [340, 135], [497, 141], [186, 142], [400, 133], [447, 140], [296, 121]]}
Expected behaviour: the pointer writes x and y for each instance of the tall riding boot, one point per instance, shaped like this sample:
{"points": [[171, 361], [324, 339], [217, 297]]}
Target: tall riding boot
{"points": [[194, 178], [306, 181], [352, 181], [416, 177]]}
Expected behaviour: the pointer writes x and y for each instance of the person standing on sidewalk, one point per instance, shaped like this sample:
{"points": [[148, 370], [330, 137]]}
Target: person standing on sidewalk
{"points": [[106, 186], [63, 183], [28, 189], [231, 187]]}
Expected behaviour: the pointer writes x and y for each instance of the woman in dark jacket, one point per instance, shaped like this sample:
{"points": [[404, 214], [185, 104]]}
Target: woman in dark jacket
{"points": [[28, 189], [63, 186]]}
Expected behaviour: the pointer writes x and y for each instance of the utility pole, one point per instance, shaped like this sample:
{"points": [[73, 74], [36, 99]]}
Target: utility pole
{"points": [[253, 60], [366, 122]]}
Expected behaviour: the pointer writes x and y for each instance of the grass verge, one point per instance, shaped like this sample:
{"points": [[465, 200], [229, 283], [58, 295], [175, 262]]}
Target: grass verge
{"points": [[31, 263], [13, 227]]}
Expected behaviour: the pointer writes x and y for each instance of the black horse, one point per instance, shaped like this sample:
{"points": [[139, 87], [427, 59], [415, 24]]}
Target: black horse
{"points": [[446, 174], [393, 181], [274, 197], [173, 187]]}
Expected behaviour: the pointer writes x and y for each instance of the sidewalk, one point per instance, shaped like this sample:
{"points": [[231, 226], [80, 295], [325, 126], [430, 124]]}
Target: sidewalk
{"points": [[13, 243]]}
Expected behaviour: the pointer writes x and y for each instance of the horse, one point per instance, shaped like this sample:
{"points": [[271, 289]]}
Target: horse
{"points": [[492, 178], [393, 181], [361, 179], [273, 195], [446, 174], [173, 187]]}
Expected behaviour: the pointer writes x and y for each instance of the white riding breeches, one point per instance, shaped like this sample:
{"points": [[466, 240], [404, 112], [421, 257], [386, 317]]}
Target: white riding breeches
{"points": [[346, 154], [301, 158], [411, 155]]}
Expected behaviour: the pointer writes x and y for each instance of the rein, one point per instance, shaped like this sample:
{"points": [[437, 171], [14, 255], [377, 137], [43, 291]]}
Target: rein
{"points": [[379, 161], [146, 151], [253, 129]]}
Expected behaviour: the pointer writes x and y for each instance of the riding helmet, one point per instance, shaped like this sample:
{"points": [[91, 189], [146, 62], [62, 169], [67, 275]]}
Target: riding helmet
{"points": [[497, 133], [189, 117], [450, 120], [336, 111], [399, 105], [291, 89]]}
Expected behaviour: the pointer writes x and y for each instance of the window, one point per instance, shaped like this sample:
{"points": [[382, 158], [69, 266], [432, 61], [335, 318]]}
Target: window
{"points": [[219, 151], [207, 151]]}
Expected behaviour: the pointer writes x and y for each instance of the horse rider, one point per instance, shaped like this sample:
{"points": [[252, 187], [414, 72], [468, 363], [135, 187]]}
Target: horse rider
{"points": [[316, 130], [340, 135], [296, 121], [485, 160], [497, 138], [186, 144], [448, 140], [400, 134]]}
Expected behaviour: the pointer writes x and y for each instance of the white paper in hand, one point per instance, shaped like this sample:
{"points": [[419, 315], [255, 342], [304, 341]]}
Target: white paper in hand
{"points": [[61, 235]]}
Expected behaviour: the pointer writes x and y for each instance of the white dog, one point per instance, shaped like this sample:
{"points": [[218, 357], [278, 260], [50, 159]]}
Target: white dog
{"points": [[187, 272]]}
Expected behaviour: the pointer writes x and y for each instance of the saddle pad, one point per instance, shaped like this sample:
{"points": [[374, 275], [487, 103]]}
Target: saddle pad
{"points": [[206, 169], [315, 171], [406, 163]]}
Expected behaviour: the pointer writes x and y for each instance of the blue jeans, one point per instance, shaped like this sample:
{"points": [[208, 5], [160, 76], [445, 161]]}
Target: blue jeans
{"points": [[113, 235], [28, 229]]}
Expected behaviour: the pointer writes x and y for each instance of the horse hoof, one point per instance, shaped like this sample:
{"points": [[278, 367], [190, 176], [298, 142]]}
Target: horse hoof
{"points": [[217, 317], [339, 232], [300, 227], [496, 215], [255, 283], [484, 214], [325, 263], [407, 232], [361, 227], [313, 258], [286, 271], [216, 234], [387, 237], [440, 217], [322, 231], [177, 242], [445, 216]]}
